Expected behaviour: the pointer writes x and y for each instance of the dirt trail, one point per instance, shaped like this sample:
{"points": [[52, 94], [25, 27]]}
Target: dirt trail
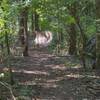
{"points": [[51, 77]]}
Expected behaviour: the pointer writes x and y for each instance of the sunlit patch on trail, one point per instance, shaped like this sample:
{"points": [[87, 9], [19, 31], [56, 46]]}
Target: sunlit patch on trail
{"points": [[31, 72], [81, 76], [56, 67], [60, 67], [55, 80], [77, 66], [44, 59], [49, 85]]}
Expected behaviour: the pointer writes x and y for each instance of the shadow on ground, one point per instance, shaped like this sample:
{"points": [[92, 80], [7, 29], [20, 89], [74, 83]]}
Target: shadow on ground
{"points": [[48, 77]]}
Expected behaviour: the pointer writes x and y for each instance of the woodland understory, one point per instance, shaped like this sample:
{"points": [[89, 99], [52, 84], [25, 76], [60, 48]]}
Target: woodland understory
{"points": [[50, 50]]}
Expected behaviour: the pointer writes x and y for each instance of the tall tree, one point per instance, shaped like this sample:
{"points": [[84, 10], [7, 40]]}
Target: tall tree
{"points": [[23, 30], [36, 21], [72, 30], [98, 33]]}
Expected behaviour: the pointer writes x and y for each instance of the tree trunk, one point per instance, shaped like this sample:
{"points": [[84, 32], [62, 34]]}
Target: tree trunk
{"points": [[83, 42], [72, 40], [72, 31], [32, 24], [36, 20], [98, 34], [8, 52], [7, 43], [23, 30]]}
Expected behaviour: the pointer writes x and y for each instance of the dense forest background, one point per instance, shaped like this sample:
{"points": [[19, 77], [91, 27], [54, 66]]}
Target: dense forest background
{"points": [[75, 25]]}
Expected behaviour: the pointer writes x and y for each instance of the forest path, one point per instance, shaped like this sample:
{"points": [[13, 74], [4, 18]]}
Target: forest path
{"points": [[49, 77]]}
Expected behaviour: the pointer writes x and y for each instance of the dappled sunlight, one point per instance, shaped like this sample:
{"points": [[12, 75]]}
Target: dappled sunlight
{"points": [[44, 59], [36, 72], [46, 84], [49, 66], [59, 67], [50, 73], [77, 66], [35, 55], [56, 67], [55, 80], [81, 76], [49, 85], [74, 75]]}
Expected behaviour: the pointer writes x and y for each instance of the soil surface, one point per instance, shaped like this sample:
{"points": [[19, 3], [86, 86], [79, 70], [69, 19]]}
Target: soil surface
{"points": [[44, 76]]}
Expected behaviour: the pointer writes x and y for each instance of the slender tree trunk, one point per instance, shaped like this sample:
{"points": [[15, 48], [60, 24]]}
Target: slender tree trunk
{"points": [[32, 24], [98, 34], [72, 31], [23, 30], [8, 52], [83, 42], [72, 49], [36, 21], [72, 39], [7, 41]]}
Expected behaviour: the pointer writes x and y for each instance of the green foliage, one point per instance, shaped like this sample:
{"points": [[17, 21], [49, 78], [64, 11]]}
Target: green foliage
{"points": [[91, 30], [70, 19], [54, 16], [2, 21]]}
